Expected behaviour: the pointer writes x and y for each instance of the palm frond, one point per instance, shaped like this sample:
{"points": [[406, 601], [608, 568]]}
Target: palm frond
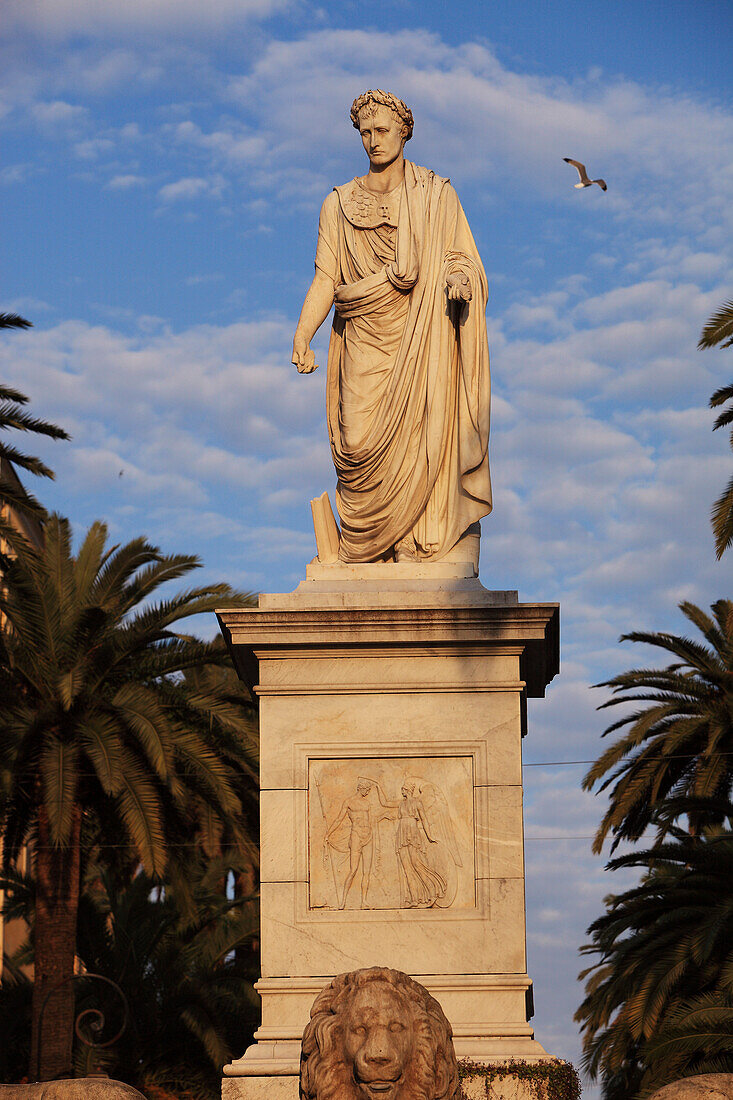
{"points": [[721, 518], [718, 328], [58, 769], [13, 320], [19, 499], [138, 708], [140, 807], [13, 417]]}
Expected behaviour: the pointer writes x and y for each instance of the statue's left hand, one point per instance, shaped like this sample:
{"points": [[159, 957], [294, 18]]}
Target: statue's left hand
{"points": [[458, 287]]}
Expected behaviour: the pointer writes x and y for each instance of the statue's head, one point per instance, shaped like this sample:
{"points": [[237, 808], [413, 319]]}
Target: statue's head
{"points": [[377, 1035], [385, 124], [367, 104]]}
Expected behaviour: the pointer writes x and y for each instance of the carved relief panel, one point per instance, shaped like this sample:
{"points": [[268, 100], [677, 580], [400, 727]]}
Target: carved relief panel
{"points": [[391, 833]]}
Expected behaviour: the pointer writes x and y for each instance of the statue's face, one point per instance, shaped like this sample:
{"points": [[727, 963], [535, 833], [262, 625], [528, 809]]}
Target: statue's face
{"points": [[378, 1040], [382, 136]]}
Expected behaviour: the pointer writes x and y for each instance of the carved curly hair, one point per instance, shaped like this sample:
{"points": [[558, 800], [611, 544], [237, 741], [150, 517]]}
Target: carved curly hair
{"points": [[377, 98], [325, 1073]]}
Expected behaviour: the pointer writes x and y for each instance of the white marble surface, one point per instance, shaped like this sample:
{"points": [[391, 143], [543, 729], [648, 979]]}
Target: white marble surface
{"points": [[417, 692]]}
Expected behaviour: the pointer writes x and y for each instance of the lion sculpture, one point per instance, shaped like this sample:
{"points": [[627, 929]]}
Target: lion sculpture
{"points": [[376, 1034]]}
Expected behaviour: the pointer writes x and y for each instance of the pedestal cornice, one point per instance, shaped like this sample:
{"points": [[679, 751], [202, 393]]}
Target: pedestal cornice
{"points": [[530, 629]]}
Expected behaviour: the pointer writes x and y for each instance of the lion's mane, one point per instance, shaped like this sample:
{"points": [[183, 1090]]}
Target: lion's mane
{"points": [[325, 1074]]}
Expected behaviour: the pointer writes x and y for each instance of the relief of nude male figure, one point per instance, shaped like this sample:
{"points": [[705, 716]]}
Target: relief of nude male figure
{"points": [[358, 809]]}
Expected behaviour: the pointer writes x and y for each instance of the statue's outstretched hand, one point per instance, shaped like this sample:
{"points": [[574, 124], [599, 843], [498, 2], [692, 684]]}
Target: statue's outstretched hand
{"points": [[303, 357], [458, 287]]}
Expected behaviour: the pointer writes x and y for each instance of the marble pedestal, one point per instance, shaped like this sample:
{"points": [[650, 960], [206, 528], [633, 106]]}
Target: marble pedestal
{"points": [[392, 699]]}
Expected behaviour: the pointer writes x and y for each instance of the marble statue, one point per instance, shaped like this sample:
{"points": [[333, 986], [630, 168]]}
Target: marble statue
{"points": [[408, 363], [377, 1033]]}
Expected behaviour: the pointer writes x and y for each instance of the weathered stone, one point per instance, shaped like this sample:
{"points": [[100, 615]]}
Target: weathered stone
{"points": [[703, 1086], [80, 1088], [520, 1080], [376, 1034]]}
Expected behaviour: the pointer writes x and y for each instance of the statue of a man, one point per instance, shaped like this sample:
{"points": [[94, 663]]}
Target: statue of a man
{"points": [[408, 363]]}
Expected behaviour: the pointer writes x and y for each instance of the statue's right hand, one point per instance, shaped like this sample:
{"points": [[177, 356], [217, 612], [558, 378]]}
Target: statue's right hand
{"points": [[303, 357]]}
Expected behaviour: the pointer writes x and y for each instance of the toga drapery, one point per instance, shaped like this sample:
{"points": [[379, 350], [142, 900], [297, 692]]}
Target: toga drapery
{"points": [[408, 371]]}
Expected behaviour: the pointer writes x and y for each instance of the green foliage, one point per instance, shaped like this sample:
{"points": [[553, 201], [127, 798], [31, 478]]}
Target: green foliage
{"points": [[109, 708], [14, 417], [681, 743], [719, 331], [556, 1080], [188, 976], [664, 966], [186, 964], [101, 705], [722, 513], [696, 1037]]}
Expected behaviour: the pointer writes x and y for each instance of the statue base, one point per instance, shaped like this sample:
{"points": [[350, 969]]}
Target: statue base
{"points": [[392, 708]]}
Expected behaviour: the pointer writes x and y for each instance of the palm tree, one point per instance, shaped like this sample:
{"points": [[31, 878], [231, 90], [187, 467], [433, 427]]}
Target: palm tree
{"points": [[695, 1037], [98, 722], [177, 958], [192, 1003], [681, 743], [663, 947], [719, 331], [13, 417]]}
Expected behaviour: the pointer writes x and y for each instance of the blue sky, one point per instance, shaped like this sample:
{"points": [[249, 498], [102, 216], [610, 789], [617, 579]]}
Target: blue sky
{"points": [[163, 166]]}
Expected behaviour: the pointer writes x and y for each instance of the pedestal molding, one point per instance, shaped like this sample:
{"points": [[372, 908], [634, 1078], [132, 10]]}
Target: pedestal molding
{"points": [[386, 688]]}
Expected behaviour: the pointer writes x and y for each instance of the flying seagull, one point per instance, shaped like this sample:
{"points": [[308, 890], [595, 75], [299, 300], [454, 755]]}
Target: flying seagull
{"points": [[584, 181]]}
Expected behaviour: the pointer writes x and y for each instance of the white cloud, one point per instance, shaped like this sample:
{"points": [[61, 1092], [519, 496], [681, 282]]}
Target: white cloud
{"points": [[58, 113], [125, 182], [191, 187], [663, 154], [236, 144], [14, 173], [667, 155], [93, 148]]}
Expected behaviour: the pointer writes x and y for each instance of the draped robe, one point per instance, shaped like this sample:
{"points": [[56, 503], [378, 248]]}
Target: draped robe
{"points": [[408, 370]]}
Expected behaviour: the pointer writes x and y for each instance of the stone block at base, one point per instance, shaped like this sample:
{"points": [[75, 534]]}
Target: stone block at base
{"points": [[540, 1079], [259, 1088]]}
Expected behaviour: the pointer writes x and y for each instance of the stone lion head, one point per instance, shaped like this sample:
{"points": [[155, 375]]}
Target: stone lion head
{"points": [[376, 1034]]}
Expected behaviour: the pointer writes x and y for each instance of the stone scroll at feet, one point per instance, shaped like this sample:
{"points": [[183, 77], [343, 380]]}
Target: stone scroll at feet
{"points": [[376, 1034], [408, 385]]}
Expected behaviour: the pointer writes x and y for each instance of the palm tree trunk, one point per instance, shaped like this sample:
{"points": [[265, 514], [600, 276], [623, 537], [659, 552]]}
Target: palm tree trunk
{"points": [[57, 903]]}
